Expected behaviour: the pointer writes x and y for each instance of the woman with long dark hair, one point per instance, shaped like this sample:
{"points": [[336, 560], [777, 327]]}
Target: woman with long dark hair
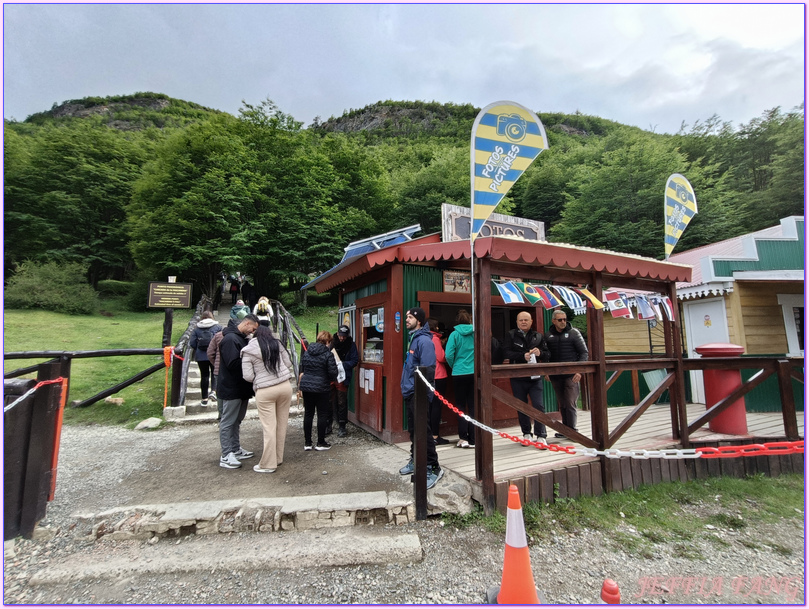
{"points": [[266, 363], [318, 370]]}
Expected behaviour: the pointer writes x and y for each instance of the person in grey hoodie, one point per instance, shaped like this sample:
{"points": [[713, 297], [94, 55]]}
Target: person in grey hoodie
{"points": [[200, 340], [267, 365], [460, 353]]}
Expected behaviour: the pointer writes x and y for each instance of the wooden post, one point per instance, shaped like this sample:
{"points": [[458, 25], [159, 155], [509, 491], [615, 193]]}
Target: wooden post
{"points": [[787, 399], [598, 405], [677, 391], [167, 327], [484, 451], [176, 378], [38, 472], [420, 408]]}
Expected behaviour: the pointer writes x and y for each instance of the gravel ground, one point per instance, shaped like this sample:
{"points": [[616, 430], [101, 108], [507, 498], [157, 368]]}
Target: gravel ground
{"points": [[765, 565]]}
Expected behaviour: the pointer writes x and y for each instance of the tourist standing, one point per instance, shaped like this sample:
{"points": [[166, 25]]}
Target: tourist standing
{"points": [[420, 353], [343, 344], [267, 365], [441, 374], [461, 357], [201, 338], [234, 390], [318, 370], [566, 344], [520, 346]]}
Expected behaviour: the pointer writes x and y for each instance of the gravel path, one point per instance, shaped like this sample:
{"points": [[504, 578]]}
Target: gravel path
{"points": [[765, 565]]}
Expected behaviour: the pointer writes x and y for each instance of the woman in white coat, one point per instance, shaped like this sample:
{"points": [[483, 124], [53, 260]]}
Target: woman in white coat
{"points": [[266, 364]]}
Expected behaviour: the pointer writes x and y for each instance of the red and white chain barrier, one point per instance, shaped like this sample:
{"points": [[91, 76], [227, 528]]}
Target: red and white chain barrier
{"points": [[705, 452], [32, 390]]}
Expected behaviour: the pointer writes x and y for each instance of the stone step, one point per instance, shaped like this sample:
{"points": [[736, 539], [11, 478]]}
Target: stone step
{"points": [[262, 515]]}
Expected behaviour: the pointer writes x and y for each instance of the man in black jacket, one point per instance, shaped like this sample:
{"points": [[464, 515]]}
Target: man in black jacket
{"points": [[521, 346], [234, 391], [566, 344]]}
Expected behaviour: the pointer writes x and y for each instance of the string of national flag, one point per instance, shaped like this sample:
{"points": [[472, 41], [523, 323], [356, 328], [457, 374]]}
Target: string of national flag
{"points": [[648, 306]]}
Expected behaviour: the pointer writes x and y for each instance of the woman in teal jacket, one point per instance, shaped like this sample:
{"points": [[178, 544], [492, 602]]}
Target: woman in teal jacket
{"points": [[460, 353]]}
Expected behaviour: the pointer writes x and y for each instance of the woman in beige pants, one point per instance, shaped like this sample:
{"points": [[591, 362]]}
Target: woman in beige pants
{"points": [[266, 364]]}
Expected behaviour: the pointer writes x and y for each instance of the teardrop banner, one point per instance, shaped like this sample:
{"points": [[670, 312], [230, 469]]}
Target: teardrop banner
{"points": [[680, 205], [506, 138]]}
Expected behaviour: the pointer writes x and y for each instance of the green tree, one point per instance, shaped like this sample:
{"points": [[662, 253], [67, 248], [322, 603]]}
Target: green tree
{"points": [[617, 202], [189, 214], [65, 190]]}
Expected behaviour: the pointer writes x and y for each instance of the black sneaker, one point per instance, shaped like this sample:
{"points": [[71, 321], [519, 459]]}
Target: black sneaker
{"points": [[439, 441], [322, 446], [342, 433], [328, 430]]}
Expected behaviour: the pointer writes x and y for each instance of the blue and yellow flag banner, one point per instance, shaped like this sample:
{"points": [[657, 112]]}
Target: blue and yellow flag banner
{"points": [[680, 207], [506, 138]]}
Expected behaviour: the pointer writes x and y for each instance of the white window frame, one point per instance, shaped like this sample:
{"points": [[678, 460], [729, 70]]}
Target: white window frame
{"points": [[789, 302]]}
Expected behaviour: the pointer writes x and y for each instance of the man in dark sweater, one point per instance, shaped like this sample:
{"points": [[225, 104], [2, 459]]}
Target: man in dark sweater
{"points": [[523, 345], [234, 391], [566, 344]]}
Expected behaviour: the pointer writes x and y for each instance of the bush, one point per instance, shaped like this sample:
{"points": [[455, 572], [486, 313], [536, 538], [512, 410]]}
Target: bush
{"points": [[138, 298], [111, 288], [58, 287]]}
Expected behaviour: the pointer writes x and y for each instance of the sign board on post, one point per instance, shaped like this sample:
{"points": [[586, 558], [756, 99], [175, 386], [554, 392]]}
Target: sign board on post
{"points": [[169, 295]]}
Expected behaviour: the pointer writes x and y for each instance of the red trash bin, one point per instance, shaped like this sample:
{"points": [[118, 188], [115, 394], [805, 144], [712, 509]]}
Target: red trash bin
{"points": [[721, 383]]}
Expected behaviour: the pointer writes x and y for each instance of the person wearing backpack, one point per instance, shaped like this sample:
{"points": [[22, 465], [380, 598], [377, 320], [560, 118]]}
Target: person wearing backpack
{"points": [[200, 339], [263, 311]]}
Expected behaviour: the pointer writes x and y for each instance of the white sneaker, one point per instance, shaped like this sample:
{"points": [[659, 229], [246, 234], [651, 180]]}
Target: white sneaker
{"points": [[230, 461], [258, 468], [527, 436]]}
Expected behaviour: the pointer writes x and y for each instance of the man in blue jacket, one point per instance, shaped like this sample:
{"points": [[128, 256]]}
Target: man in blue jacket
{"points": [[421, 353]]}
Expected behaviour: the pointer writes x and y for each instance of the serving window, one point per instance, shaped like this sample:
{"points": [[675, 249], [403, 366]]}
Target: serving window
{"points": [[373, 334]]}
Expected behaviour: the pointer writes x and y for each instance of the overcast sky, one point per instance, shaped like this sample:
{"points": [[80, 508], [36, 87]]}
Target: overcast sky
{"points": [[653, 66]]}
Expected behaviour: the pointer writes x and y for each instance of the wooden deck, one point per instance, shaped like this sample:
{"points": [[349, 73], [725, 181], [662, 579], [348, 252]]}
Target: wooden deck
{"points": [[650, 431]]}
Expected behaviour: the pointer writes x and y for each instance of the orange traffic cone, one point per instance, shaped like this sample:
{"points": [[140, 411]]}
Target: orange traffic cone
{"points": [[517, 586], [610, 594]]}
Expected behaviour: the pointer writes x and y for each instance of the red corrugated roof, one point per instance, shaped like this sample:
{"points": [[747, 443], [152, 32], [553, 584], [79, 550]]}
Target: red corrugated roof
{"points": [[431, 249]]}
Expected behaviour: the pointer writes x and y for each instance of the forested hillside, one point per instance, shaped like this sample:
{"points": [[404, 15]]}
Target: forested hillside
{"points": [[144, 186]]}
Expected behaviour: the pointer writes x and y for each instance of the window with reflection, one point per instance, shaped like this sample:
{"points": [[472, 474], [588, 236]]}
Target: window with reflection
{"points": [[373, 334]]}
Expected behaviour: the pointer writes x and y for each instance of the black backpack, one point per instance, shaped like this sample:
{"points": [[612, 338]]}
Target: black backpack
{"points": [[204, 338]]}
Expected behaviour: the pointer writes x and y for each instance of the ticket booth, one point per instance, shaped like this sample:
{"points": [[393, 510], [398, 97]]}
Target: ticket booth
{"points": [[376, 288]]}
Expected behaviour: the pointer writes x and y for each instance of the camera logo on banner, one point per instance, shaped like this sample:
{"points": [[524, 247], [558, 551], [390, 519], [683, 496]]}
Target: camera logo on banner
{"points": [[513, 126]]}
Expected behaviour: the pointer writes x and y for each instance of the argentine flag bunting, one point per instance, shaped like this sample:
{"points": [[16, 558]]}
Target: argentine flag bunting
{"points": [[510, 293], [506, 138], [680, 205]]}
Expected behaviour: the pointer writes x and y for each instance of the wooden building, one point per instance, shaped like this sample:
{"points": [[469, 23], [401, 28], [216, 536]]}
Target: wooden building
{"points": [[748, 291], [376, 288]]}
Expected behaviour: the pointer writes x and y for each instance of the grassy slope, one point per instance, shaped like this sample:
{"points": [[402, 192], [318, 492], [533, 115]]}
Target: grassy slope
{"points": [[46, 331], [679, 514]]}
